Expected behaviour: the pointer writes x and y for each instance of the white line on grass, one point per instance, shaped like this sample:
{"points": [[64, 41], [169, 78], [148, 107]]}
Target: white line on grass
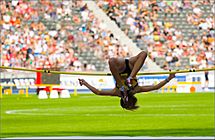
{"points": [[44, 113]]}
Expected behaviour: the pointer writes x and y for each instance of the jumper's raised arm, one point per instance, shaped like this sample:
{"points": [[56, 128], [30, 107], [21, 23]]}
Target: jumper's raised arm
{"points": [[155, 87], [111, 92]]}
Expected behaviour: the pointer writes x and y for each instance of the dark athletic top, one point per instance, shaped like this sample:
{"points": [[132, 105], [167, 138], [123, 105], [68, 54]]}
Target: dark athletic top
{"points": [[127, 69], [126, 73]]}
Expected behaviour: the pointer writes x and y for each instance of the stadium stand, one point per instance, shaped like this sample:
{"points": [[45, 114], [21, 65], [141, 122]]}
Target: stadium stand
{"points": [[66, 34], [177, 34]]}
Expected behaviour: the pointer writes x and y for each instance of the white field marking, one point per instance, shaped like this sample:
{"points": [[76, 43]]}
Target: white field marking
{"points": [[74, 108], [115, 137], [44, 113], [37, 111]]}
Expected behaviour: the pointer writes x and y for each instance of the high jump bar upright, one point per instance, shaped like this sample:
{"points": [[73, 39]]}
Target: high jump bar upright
{"points": [[106, 74]]}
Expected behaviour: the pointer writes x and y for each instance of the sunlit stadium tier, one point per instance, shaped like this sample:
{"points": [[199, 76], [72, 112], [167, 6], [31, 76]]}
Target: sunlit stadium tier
{"points": [[177, 34]]}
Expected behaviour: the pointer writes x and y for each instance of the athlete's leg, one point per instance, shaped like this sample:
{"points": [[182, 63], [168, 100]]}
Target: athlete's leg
{"points": [[117, 65], [137, 62], [114, 64]]}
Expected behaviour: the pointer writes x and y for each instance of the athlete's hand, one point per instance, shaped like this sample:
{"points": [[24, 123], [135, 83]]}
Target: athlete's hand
{"points": [[82, 82]]}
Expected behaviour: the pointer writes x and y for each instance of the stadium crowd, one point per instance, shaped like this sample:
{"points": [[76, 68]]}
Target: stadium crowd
{"points": [[161, 37], [27, 41]]}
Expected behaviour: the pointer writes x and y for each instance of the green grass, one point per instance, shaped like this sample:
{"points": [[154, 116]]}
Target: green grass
{"points": [[91, 115]]}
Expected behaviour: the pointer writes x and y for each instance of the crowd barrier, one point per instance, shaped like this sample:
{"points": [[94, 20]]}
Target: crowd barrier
{"points": [[188, 83], [49, 89]]}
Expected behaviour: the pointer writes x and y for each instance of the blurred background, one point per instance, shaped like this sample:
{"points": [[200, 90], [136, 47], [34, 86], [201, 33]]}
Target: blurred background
{"points": [[82, 35]]}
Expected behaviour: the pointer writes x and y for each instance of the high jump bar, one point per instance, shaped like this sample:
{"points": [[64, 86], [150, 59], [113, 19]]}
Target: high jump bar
{"points": [[106, 74]]}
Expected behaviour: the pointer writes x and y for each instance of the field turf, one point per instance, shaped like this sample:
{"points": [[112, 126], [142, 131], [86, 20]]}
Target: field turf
{"points": [[91, 115]]}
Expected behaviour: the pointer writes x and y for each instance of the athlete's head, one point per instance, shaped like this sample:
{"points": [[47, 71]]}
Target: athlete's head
{"points": [[130, 104]]}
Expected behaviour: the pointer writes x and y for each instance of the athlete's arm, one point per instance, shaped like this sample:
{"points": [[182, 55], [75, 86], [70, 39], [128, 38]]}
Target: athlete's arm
{"points": [[155, 87], [111, 92]]}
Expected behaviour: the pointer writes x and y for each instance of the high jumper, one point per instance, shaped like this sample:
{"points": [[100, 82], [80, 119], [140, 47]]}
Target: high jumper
{"points": [[124, 72]]}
